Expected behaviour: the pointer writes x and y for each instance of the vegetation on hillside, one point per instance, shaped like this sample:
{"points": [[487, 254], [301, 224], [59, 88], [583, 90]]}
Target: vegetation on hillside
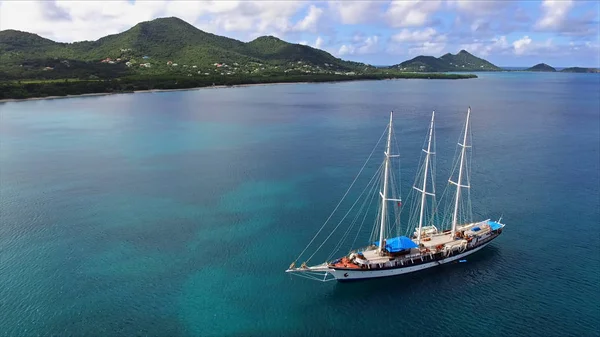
{"points": [[580, 70], [166, 53], [541, 67], [158, 41], [463, 61]]}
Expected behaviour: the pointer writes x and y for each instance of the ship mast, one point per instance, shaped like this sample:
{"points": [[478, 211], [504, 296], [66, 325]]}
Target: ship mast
{"points": [[385, 184], [424, 186], [460, 171]]}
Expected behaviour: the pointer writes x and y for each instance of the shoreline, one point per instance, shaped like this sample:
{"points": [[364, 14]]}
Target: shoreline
{"points": [[9, 100]]}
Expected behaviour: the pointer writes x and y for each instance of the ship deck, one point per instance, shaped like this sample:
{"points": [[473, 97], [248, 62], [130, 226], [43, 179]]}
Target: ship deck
{"points": [[373, 256], [437, 240]]}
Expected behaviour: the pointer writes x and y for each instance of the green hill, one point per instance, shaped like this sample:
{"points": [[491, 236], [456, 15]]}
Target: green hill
{"points": [[541, 67], [425, 64], [580, 70], [25, 55], [463, 61]]}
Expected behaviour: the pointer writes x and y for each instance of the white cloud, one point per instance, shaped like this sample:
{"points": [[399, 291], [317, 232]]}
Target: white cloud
{"points": [[521, 45], [488, 18], [411, 13], [497, 45], [554, 14], [346, 50], [369, 46], [355, 12], [526, 46], [311, 21], [479, 8], [428, 48], [415, 35], [362, 47], [426, 41], [319, 42]]}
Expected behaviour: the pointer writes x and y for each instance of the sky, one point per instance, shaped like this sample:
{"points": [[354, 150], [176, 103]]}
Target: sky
{"points": [[507, 33]]}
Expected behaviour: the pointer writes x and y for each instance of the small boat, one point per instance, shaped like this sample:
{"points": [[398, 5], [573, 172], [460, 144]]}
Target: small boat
{"points": [[390, 254]]}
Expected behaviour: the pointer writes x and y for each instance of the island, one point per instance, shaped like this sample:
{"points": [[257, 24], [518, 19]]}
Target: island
{"points": [[462, 61], [543, 67], [580, 70], [169, 53]]}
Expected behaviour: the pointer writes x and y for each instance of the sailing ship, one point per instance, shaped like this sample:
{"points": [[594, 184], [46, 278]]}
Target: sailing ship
{"points": [[428, 246]]}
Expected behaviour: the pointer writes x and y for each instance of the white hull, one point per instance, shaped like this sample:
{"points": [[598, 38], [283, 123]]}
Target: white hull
{"points": [[346, 275]]}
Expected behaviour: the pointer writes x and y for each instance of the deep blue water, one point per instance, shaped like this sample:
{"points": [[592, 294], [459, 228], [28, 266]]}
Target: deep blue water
{"points": [[176, 213]]}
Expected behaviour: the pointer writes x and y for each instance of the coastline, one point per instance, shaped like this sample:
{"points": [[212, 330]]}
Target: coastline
{"points": [[8, 100]]}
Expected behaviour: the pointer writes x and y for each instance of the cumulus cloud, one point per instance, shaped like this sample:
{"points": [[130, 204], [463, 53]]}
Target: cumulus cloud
{"points": [[554, 14], [428, 48], [526, 46], [558, 16], [311, 22], [479, 8], [497, 45], [364, 46], [415, 35], [319, 42], [486, 19], [414, 42], [411, 13], [356, 12]]}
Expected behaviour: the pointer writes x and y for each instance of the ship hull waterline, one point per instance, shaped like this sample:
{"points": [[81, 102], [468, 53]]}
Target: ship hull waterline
{"points": [[344, 275]]}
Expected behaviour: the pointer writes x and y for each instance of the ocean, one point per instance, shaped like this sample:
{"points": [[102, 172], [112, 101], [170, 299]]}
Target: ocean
{"points": [[177, 213]]}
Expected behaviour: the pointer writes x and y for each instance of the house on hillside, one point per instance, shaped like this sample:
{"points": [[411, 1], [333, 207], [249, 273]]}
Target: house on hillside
{"points": [[169, 63]]}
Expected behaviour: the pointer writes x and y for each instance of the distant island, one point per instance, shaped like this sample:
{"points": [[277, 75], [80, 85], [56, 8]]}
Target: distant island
{"points": [[580, 70], [463, 61], [541, 67]]}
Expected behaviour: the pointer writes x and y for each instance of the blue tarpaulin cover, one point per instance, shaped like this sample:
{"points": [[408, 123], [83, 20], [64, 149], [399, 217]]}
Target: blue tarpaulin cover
{"points": [[494, 225], [397, 244]]}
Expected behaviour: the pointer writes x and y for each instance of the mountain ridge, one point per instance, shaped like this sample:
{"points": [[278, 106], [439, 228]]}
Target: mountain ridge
{"points": [[462, 61], [162, 40]]}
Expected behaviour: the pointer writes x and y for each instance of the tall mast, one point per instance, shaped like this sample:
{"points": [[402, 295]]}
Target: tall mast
{"points": [[460, 171], [424, 186], [385, 184]]}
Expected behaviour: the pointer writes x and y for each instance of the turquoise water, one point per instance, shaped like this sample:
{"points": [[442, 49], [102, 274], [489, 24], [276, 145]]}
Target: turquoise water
{"points": [[176, 213]]}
